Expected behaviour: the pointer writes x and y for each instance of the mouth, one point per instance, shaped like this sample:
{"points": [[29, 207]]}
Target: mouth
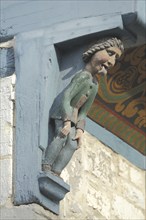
{"points": [[103, 69]]}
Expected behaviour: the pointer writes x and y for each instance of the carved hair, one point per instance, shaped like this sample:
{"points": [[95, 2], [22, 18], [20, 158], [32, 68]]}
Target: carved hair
{"points": [[101, 45]]}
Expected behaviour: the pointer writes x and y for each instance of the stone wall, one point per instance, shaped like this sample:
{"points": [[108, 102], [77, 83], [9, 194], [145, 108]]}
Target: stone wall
{"points": [[104, 185], [6, 138]]}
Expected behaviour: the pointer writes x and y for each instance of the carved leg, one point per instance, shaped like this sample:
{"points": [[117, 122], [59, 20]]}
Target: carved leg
{"points": [[65, 155], [54, 148]]}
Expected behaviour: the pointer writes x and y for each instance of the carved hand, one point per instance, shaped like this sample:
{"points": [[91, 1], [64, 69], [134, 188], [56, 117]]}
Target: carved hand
{"points": [[78, 137], [66, 129]]}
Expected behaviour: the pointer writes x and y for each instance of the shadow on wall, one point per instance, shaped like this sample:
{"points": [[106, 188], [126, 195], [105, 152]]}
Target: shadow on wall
{"points": [[7, 62]]}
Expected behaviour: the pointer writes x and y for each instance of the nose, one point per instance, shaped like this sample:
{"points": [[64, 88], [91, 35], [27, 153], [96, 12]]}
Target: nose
{"points": [[111, 61]]}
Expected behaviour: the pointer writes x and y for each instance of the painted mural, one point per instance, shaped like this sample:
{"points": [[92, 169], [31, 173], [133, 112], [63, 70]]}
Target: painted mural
{"points": [[120, 105]]}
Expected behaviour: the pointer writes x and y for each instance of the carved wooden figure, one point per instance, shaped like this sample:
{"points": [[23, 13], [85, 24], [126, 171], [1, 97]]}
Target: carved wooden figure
{"points": [[69, 116]]}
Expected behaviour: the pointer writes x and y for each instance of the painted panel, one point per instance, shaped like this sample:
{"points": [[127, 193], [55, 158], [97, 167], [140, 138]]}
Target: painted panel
{"points": [[120, 104]]}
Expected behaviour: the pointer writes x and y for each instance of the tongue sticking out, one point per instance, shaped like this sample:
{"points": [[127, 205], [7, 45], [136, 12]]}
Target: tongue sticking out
{"points": [[102, 70]]}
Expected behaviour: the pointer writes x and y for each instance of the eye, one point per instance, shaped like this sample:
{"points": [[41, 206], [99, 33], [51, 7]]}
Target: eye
{"points": [[110, 53]]}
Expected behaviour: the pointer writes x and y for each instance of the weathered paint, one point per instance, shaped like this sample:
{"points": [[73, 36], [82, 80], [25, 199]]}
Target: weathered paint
{"points": [[21, 16]]}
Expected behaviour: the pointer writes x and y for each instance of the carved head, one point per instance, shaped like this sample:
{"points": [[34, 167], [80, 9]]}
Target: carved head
{"points": [[102, 55]]}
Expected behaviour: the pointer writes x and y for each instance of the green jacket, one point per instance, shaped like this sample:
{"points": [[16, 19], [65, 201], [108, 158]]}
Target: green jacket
{"points": [[77, 99]]}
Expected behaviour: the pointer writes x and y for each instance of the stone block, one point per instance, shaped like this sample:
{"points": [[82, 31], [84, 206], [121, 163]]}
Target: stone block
{"points": [[5, 149], [123, 168], [122, 209], [6, 180], [6, 130], [105, 169], [99, 201], [138, 177], [133, 194]]}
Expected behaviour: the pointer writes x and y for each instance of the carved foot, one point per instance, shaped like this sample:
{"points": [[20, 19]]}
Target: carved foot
{"points": [[47, 168], [55, 173]]}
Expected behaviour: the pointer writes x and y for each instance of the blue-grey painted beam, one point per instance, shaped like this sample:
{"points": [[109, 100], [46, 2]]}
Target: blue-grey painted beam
{"points": [[22, 16], [76, 28]]}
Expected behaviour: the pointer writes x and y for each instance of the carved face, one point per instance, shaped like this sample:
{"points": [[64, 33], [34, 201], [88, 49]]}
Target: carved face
{"points": [[103, 60]]}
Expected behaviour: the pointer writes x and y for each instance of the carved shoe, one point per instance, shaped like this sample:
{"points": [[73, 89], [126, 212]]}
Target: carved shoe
{"points": [[46, 167]]}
